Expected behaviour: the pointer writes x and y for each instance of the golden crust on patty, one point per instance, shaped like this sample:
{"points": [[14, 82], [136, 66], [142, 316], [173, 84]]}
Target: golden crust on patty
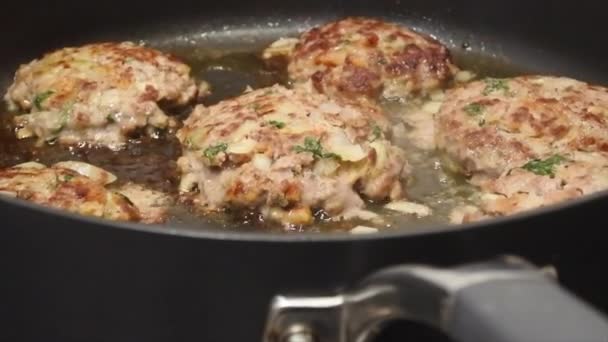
{"points": [[357, 57], [98, 93], [287, 152], [527, 141], [64, 186]]}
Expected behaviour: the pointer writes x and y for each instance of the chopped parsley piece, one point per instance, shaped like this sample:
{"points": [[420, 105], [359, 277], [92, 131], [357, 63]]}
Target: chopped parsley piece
{"points": [[277, 124], [544, 167], [376, 133], [41, 97], [474, 109], [496, 84], [313, 146], [212, 151], [67, 178]]}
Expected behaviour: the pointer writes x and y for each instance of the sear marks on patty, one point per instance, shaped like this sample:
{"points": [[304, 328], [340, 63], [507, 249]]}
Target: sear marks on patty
{"points": [[82, 188], [286, 153], [99, 94], [527, 141], [364, 57]]}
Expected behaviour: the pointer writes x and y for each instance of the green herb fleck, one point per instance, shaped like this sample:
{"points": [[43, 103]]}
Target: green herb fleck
{"points": [[41, 97], [67, 178], [277, 124], [212, 151], [496, 84], [313, 146], [376, 133], [544, 167], [110, 118], [474, 109]]}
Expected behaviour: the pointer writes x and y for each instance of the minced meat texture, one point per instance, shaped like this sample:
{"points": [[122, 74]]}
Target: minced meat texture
{"points": [[527, 141], [286, 152], [364, 57], [98, 94], [62, 186]]}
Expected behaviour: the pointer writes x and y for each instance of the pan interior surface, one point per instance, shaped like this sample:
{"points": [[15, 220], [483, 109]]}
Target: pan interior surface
{"points": [[225, 52]]}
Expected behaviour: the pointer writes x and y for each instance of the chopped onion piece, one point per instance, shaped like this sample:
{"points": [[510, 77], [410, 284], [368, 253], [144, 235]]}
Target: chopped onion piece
{"points": [[409, 208], [188, 182], [381, 154], [23, 133], [281, 47], [438, 95], [244, 146], [339, 144], [93, 172], [30, 165], [464, 76], [204, 89], [326, 167], [432, 107], [360, 230], [262, 162], [243, 131]]}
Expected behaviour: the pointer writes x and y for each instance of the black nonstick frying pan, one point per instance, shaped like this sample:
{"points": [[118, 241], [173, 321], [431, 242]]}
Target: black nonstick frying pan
{"points": [[68, 278]]}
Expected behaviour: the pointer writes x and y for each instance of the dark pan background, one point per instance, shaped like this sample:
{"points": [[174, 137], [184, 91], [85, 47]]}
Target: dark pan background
{"points": [[70, 279]]}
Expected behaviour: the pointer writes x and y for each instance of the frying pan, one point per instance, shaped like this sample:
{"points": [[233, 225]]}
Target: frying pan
{"points": [[69, 278]]}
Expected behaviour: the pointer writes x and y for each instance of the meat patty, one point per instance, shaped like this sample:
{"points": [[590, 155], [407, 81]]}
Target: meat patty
{"points": [[527, 141], [65, 186], [98, 94], [357, 57], [288, 152]]}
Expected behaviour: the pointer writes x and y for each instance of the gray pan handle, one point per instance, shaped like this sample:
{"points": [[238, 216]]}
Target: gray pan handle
{"points": [[505, 300]]}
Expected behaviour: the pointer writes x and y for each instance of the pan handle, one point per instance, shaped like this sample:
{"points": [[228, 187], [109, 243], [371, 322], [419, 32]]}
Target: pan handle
{"points": [[504, 300]]}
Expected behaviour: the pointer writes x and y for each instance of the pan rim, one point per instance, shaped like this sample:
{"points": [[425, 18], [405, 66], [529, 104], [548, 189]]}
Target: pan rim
{"points": [[303, 237]]}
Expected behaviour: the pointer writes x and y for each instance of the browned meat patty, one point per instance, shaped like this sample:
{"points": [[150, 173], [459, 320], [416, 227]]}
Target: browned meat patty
{"points": [[81, 188], [98, 94], [527, 141], [357, 57], [287, 152]]}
